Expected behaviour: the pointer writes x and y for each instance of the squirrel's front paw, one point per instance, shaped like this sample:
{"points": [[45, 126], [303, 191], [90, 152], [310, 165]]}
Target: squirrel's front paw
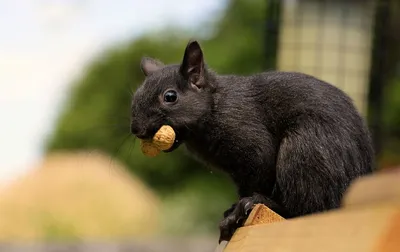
{"points": [[235, 217]]}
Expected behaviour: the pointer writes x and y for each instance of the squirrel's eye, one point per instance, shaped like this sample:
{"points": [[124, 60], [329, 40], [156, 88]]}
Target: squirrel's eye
{"points": [[170, 96]]}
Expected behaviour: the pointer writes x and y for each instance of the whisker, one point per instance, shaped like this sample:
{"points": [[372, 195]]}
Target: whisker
{"points": [[119, 148], [132, 87], [131, 147], [118, 117], [114, 128], [130, 91]]}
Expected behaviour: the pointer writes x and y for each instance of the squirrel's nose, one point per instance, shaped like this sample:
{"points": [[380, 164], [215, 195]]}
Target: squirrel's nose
{"points": [[134, 129], [142, 135], [139, 132]]}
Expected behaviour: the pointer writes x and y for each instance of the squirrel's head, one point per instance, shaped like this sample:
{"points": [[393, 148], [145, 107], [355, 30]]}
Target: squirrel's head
{"points": [[177, 95]]}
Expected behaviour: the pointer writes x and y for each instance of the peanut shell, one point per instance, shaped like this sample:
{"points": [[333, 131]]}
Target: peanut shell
{"points": [[149, 149], [164, 138]]}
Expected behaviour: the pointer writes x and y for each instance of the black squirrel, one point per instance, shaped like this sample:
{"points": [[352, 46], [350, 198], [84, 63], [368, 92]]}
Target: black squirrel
{"points": [[288, 140]]}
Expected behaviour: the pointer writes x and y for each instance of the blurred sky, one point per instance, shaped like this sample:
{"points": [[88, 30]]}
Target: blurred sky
{"points": [[43, 46]]}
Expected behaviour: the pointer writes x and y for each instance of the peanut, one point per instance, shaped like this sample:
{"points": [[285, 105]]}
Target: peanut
{"points": [[162, 140]]}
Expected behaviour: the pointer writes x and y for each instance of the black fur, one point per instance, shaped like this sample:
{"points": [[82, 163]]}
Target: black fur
{"points": [[288, 140]]}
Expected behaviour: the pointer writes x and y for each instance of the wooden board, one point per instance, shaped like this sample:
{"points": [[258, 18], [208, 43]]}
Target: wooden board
{"points": [[370, 229], [368, 221], [380, 188], [262, 215]]}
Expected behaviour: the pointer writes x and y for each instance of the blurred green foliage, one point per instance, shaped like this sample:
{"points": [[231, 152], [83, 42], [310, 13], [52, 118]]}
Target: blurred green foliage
{"points": [[391, 124], [96, 115], [391, 116]]}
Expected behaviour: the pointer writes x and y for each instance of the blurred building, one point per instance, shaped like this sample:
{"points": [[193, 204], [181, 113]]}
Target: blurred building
{"points": [[331, 40], [352, 44]]}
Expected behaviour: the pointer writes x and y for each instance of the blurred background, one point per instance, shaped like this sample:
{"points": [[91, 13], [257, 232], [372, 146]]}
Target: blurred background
{"points": [[70, 171]]}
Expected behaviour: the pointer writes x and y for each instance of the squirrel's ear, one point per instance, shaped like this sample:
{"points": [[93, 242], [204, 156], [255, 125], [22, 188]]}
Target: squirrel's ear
{"points": [[149, 65], [192, 67]]}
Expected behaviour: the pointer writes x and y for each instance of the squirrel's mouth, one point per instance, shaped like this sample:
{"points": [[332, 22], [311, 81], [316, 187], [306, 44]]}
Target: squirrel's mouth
{"points": [[176, 144], [179, 136]]}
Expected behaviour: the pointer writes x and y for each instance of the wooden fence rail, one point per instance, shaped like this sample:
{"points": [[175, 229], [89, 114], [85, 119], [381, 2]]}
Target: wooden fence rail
{"points": [[368, 221]]}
